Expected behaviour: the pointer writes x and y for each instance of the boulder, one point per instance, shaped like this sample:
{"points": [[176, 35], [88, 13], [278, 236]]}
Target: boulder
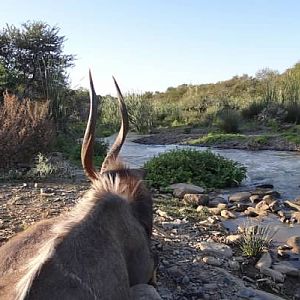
{"points": [[255, 198], [239, 197], [228, 214], [294, 242], [295, 217], [195, 199], [265, 261], [285, 267], [180, 189], [275, 275], [214, 202], [144, 292], [215, 249], [214, 261]]}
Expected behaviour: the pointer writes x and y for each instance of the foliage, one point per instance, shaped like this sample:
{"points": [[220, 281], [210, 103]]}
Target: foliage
{"points": [[25, 130], [253, 109], [72, 149], [191, 166], [33, 54], [43, 167], [214, 138], [256, 239], [140, 110], [228, 120], [32, 57]]}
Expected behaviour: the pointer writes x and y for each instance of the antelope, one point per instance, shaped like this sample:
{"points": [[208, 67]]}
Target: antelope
{"points": [[101, 247]]}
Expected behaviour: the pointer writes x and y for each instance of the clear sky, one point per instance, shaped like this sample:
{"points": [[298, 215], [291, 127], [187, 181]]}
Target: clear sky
{"points": [[154, 44]]}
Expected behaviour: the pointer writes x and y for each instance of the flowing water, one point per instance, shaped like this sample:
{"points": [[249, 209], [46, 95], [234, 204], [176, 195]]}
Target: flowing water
{"points": [[280, 168]]}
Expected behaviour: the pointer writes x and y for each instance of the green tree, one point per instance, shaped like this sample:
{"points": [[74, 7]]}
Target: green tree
{"points": [[33, 57]]}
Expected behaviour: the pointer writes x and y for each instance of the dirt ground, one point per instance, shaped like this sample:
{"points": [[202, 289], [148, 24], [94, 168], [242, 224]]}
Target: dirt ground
{"points": [[182, 274]]}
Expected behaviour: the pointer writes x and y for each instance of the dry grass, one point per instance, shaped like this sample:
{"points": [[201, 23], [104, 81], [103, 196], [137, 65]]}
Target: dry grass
{"points": [[25, 130]]}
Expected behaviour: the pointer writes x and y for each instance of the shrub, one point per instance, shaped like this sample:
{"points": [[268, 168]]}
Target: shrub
{"points": [[25, 130], [43, 167], [191, 166], [228, 120], [253, 109], [255, 239]]}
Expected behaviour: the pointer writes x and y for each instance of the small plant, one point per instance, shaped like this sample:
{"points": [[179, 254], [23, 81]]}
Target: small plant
{"points": [[255, 240], [43, 167], [201, 168]]}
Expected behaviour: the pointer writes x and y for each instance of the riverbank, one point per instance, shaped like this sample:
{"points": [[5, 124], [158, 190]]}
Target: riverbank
{"points": [[182, 229], [244, 141]]}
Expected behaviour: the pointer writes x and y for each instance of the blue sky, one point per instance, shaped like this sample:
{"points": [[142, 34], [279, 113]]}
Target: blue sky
{"points": [[152, 45]]}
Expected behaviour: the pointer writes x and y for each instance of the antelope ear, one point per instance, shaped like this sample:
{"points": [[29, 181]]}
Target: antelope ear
{"points": [[139, 172]]}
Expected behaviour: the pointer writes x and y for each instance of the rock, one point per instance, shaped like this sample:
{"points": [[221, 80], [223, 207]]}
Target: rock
{"points": [[292, 205], [144, 292], [255, 198], [296, 217], [214, 202], [222, 206], [234, 265], [241, 206], [180, 189], [175, 272], [275, 275], [294, 242], [262, 206], [265, 261], [285, 267], [251, 212], [228, 214], [195, 199], [215, 211], [215, 249], [161, 213], [214, 261], [239, 197], [234, 238]]}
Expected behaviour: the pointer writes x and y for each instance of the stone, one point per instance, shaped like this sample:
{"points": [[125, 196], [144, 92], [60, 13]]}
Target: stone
{"points": [[228, 214], [222, 205], [215, 249], [292, 205], [161, 213], [215, 211], [251, 212], [144, 292], [195, 199], [214, 202], [241, 206], [234, 238], [255, 198], [239, 197], [265, 261], [268, 199], [234, 265], [275, 275], [262, 206], [180, 189], [265, 186], [285, 267], [295, 217], [294, 242], [210, 260]]}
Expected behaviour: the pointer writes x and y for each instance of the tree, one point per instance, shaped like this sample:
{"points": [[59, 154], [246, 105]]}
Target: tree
{"points": [[33, 57]]}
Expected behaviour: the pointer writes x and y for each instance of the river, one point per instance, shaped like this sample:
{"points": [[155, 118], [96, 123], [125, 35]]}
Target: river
{"points": [[280, 168]]}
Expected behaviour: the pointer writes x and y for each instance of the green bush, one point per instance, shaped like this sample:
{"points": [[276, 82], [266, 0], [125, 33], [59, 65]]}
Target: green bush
{"points": [[253, 109], [201, 168], [228, 120]]}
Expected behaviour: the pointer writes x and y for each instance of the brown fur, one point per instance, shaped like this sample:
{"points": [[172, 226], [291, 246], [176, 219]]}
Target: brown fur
{"points": [[97, 251]]}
